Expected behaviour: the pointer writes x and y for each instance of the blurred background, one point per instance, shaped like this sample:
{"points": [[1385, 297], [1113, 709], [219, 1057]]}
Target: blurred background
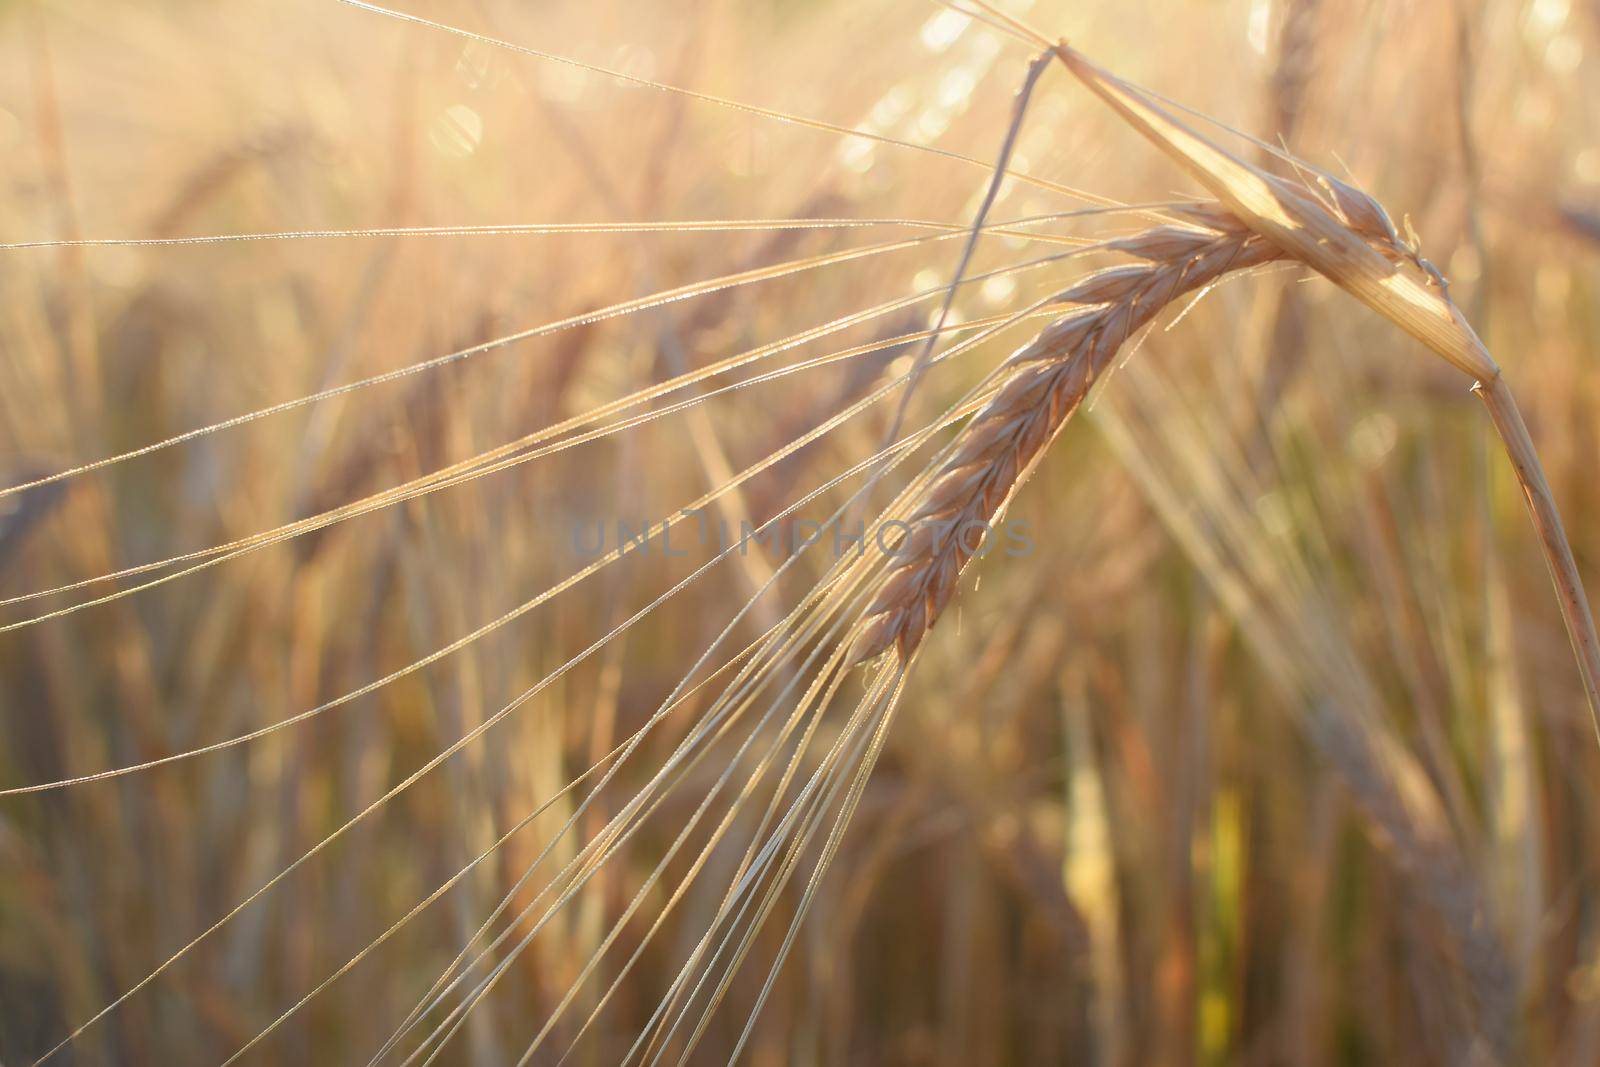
{"points": [[1272, 751]]}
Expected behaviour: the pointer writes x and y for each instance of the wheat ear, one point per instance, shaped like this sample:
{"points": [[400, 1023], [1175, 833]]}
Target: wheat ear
{"points": [[1045, 382]]}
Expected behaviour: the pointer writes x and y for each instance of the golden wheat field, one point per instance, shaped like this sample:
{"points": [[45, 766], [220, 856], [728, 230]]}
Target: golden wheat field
{"points": [[799, 532]]}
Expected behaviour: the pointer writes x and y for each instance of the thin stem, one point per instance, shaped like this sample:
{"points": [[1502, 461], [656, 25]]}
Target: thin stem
{"points": [[1496, 396], [1019, 111]]}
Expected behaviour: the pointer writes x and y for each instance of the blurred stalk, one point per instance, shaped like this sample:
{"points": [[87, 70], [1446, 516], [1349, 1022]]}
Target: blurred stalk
{"points": [[1089, 871]]}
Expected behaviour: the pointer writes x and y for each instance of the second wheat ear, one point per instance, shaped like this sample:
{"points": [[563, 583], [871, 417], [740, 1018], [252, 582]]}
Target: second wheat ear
{"points": [[1345, 236]]}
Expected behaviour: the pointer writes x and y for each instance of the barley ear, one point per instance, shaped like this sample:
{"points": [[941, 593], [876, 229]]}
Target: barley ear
{"points": [[1364, 262]]}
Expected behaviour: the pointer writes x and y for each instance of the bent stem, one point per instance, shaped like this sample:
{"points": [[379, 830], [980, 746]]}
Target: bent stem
{"points": [[1496, 396], [1304, 228]]}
